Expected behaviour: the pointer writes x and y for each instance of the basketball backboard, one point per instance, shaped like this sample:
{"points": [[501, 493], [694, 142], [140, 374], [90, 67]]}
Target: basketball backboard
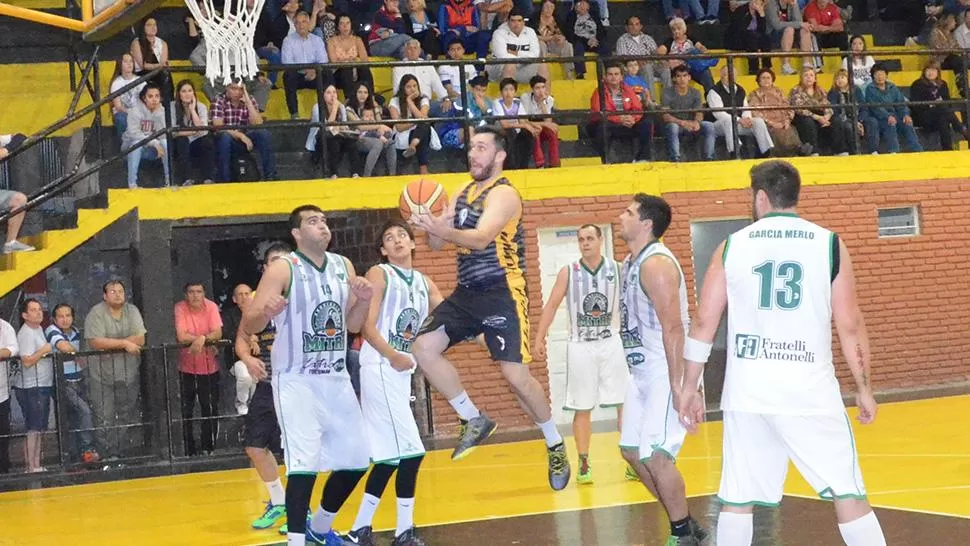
{"points": [[100, 19]]}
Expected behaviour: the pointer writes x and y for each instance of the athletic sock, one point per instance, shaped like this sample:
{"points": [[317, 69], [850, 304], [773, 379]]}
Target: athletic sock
{"points": [[550, 432], [864, 531], [277, 495], [405, 515], [365, 514], [295, 539], [464, 406], [680, 528], [322, 521], [735, 529]]}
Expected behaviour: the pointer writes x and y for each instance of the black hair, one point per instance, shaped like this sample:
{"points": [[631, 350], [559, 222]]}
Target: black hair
{"points": [[679, 69], [392, 223], [594, 227], [104, 287], [497, 135], [149, 85], [26, 303], [278, 247], [655, 209], [190, 284], [180, 116], [765, 70], [508, 81], [402, 98], [516, 12], [60, 306], [880, 66], [296, 217], [779, 180], [613, 64], [536, 80]]}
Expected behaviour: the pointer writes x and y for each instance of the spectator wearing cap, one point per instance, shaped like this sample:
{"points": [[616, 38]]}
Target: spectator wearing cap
{"points": [[513, 40], [236, 108]]}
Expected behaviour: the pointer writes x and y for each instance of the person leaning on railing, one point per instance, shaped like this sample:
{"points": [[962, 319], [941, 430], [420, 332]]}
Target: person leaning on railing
{"points": [[9, 349], [197, 322]]}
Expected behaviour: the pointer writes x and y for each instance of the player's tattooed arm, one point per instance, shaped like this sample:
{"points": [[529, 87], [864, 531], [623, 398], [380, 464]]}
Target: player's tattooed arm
{"points": [[850, 324]]}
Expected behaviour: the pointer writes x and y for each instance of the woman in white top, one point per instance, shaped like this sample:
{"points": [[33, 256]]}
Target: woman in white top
{"points": [[124, 74], [192, 147], [520, 133], [962, 32], [151, 52], [338, 139], [858, 63], [409, 104]]}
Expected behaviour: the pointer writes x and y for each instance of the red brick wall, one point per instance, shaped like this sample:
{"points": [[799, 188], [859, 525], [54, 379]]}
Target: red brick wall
{"points": [[911, 290]]}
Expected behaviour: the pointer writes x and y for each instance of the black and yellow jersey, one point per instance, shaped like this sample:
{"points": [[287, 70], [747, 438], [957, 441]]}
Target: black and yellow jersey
{"points": [[503, 260]]}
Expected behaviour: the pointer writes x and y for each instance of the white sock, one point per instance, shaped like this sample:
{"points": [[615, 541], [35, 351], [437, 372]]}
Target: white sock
{"points": [[405, 515], [277, 495], [734, 529], [464, 406], [322, 521], [550, 432], [864, 531], [365, 514], [295, 539]]}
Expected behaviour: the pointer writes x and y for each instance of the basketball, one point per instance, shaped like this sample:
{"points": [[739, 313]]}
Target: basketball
{"points": [[423, 197]]}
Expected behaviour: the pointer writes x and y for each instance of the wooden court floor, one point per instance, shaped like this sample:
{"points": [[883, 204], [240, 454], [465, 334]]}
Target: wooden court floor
{"points": [[915, 460]]}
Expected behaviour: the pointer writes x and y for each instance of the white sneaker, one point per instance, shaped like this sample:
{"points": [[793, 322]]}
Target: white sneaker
{"points": [[17, 246], [605, 22], [787, 69]]}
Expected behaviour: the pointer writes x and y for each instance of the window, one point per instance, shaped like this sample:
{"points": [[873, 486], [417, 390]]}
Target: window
{"points": [[899, 222]]}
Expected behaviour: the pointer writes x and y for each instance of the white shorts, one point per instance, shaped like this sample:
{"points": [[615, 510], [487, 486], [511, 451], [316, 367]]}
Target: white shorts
{"points": [[650, 422], [596, 374], [757, 448], [385, 398], [321, 424]]}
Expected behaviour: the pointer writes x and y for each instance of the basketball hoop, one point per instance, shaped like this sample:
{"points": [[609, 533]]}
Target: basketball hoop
{"points": [[228, 37]]}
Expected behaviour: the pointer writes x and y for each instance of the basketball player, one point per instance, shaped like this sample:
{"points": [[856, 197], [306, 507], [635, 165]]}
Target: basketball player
{"points": [[262, 436], [596, 370], [484, 220], [653, 323], [783, 279], [314, 297], [386, 366]]}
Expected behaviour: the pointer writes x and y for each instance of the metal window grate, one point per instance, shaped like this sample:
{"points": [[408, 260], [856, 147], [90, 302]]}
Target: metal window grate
{"points": [[899, 222]]}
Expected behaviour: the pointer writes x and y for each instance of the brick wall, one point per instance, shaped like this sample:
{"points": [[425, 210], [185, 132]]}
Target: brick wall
{"points": [[910, 289]]}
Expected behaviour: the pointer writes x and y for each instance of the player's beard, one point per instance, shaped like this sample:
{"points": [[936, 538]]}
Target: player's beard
{"points": [[487, 172]]}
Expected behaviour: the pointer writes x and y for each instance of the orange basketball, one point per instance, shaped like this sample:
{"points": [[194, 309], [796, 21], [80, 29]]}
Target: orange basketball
{"points": [[423, 197]]}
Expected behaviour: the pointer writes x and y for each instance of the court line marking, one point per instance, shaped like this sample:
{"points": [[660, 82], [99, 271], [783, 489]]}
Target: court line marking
{"points": [[901, 509]]}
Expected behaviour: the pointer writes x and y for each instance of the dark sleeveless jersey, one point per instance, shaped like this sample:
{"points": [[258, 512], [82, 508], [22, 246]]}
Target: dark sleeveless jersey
{"points": [[503, 260], [266, 338]]}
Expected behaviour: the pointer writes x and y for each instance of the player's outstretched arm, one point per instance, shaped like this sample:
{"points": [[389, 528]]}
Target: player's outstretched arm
{"points": [[358, 303], [660, 279], [270, 298], [853, 337], [549, 313], [697, 347]]}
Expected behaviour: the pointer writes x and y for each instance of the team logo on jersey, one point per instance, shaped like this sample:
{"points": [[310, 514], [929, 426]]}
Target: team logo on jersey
{"points": [[754, 347], [405, 330], [327, 322], [596, 312], [630, 338], [746, 346]]}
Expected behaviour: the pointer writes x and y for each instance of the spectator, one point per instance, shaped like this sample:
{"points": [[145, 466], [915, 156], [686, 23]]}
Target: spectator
{"points": [[8, 350], [322, 22], [844, 94], [688, 7], [33, 382], [552, 42], [783, 134], [893, 121], [727, 94], [423, 28], [197, 321], [409, 104], [962, 32], [814, 116], [638, 84], [64, 338], [459, 21], [513, 40], [242, 295], [747, 30], [690, 122], [585, 33], [942, 38], [858, 62], [346, 47], [271, 29], [301, 47], [335, 137], [193, 148], [680, 44], [826, 24], [784, 21], [620, 98], [115, 388], [376, 140], [635, 42], [10, 200], [427, 77], [360, 11], [538, 104], [144, 119], [149, 53], [123, 75], [236, 107], [520, 133], [937, 118], [492, 13], [388, 32], [450, 75], [196, 38]]}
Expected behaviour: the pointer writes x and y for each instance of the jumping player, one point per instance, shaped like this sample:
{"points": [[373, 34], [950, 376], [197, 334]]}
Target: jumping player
{"points": [[484, 219]]}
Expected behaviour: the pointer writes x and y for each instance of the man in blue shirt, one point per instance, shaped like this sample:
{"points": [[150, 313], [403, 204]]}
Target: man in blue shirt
{"points": [[64, 338], [303, 47]]}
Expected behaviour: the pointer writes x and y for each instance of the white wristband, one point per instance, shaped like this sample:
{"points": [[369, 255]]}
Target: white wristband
{"points": [[697, 351]]}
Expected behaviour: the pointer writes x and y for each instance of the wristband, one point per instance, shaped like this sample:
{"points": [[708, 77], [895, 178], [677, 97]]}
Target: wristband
{"points": [[697, 351]]}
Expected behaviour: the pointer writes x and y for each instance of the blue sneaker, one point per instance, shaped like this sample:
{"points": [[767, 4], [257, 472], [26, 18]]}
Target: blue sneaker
{"points": [[330, 538]]}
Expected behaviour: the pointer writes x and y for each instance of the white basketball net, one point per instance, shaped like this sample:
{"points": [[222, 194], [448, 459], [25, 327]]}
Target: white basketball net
{"points": [[228, 37]]}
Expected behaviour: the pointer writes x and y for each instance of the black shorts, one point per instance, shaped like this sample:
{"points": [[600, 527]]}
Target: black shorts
{"points": [[501, 313], [262, 427], [832, 40]]}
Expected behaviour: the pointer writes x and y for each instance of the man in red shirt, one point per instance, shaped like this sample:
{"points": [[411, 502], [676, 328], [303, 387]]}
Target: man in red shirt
{"points": [[197, 321], [620, 98], [826, 24]]}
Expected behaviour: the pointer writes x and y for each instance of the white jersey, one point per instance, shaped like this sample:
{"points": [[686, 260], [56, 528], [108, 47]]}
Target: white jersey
{"points": [[311, 332], [640, 328], [779, 274], [591, 299], [403, 310]]}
